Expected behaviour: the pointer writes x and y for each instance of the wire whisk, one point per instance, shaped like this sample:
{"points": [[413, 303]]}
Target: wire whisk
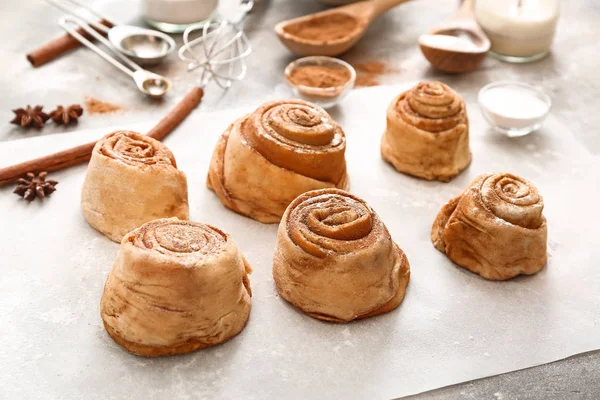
{"points": [[220, 50]]}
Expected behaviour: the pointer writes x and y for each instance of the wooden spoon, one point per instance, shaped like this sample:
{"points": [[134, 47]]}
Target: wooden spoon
{"points": [[466, 47], [344, 25]]}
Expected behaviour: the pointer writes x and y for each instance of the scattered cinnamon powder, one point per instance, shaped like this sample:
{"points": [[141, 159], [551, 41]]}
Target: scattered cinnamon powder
{"points": [[95, 106], [371, 67], [369, 73], [319, 76], [366, 81], [325, 28]]}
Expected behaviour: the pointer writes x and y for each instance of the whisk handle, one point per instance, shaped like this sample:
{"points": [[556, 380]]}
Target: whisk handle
{"points": [[67, 22], [245, 8]]}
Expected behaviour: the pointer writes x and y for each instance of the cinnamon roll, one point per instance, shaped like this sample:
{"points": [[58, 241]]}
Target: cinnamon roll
{"points": [[176, 287], [335, 259], [495, 228], [131, 179], [267, 158], [427, 133]]}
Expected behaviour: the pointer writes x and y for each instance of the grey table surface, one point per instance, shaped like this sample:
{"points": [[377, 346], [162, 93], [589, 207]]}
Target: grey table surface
{"points": [[569, 75]]}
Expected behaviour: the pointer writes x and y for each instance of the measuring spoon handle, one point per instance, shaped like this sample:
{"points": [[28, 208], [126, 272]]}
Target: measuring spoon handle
{"points": [[67, 22]]}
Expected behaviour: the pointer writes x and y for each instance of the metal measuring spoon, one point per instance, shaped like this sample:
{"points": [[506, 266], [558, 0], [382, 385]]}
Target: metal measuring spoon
{"points": [[144, 46], [149, 83]]}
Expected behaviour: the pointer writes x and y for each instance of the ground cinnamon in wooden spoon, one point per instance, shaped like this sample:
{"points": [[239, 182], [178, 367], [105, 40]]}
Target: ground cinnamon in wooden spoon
{"points": [[331, 32], [324, 28]]}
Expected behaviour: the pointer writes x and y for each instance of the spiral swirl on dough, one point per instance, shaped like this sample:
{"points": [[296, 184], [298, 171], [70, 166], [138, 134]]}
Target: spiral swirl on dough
{"points": [[298, 136], [176, 237], [495, 228], [432, 107], [334, 221], [335, 259], [176, 287], [513, 199], [134, 149]]}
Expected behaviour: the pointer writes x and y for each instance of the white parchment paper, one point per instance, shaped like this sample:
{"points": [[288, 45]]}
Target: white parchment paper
{"points": [[453, 326]]}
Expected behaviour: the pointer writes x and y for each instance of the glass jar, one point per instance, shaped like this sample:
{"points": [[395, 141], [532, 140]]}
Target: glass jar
{"points": [[177, 15], [519, 30]]}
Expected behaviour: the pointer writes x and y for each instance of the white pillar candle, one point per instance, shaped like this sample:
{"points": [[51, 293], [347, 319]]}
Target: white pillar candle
{"points": [[518, 28]]}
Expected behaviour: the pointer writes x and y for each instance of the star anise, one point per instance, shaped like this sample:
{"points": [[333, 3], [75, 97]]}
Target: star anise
{"points": [[65, 116], [33, 186], [30, 116]]}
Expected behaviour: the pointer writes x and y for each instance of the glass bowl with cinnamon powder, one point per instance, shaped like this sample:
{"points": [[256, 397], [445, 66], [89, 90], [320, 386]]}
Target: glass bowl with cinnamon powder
{"points": [[322, 80]]}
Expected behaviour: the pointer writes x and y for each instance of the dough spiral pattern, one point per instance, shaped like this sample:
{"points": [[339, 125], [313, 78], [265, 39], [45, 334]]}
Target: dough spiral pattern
{"points": [[176, 286], [427, 132], [133, 149], [495, 228], [132, 179], [267, 158], [335, 259]]}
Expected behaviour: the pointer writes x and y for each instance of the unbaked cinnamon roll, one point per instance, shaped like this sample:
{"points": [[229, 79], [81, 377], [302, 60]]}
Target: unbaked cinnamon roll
{"points": [[176, 287], [427, 133], [131, 179], [267, 158], [495, 228], [335, 259]]}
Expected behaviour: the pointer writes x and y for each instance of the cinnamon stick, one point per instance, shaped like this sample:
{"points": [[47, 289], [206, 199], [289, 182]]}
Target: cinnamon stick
{"points": [[82, 153], [60, 45], [177, 114]]}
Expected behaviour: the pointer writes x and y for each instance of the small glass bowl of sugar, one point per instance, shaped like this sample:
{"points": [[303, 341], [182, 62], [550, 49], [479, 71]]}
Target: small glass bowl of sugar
{"points": [[514, 108]]}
